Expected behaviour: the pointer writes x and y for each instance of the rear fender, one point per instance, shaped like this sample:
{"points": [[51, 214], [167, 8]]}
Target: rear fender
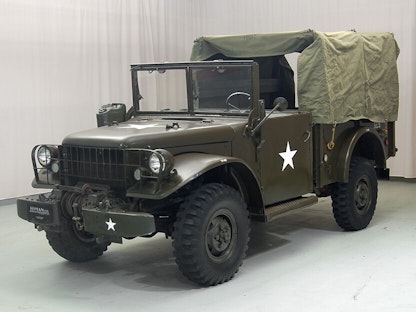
{"points": [[364, 142]]}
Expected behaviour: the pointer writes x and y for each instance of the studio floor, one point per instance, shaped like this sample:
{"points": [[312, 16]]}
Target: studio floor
{"points": [[301, 262]]}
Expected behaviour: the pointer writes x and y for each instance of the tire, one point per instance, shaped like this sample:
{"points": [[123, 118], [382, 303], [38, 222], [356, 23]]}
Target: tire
{"points": [[211, 234], [354, 202], [75, 245]]}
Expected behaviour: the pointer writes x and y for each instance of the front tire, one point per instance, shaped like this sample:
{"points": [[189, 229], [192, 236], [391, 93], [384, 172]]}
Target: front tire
{"points": [[73, 244], [354, 202], [211, 234]]}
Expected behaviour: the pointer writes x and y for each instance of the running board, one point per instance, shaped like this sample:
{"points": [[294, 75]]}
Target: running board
{"points": [[272, 212]]}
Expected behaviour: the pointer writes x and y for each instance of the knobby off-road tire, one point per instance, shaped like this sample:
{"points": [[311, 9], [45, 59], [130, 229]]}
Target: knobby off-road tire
{"points": [[73, 244], [354, 202], [211, 234]]}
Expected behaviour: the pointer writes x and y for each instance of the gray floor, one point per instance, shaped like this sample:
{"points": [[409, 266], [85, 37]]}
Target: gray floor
{"points": [[301, 262]]}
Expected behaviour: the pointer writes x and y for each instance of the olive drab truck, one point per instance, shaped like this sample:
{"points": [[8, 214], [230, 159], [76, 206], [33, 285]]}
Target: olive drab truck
{"points": [[221, 141]]}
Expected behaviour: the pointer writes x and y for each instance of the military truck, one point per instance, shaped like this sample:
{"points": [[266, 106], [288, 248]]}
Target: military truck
{"points": [[213, 144]]}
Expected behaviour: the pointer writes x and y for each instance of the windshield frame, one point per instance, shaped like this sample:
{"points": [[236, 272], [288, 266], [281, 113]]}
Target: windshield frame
{"points": [[188, 67]]}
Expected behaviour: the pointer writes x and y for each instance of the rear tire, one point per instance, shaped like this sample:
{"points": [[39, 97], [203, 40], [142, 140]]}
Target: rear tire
{"points": [[354, 202], [211, 234]]}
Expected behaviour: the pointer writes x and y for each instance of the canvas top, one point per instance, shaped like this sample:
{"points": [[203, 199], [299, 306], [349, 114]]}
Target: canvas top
{"points": [[341, 75]]}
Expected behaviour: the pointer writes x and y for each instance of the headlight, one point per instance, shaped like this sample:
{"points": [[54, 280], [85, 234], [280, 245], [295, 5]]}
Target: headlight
{"points": [[45, 155], [161, 162], [155, 163]]}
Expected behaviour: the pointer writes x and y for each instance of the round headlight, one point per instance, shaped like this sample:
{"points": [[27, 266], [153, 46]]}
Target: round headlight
{"points": [[156, 163], [161, 162], [44, 155]]}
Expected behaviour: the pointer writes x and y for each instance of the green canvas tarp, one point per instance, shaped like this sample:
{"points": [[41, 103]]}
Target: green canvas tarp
{"points": [[341, 75]]}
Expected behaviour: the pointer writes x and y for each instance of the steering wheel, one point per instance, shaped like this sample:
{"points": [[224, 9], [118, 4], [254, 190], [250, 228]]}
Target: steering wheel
{"points": [[227, 101]]}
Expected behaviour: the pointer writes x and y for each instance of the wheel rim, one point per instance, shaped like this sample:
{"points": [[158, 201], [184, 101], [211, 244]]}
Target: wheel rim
{"points": [[83, 236], [69, 211], [363, 195], [221, 236]]}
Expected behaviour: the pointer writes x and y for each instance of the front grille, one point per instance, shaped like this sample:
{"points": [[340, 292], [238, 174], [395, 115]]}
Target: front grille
{"points": [[94, 163]]}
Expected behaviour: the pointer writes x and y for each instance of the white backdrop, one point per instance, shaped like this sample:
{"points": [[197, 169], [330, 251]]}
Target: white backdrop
{"points": [[61, 59]]}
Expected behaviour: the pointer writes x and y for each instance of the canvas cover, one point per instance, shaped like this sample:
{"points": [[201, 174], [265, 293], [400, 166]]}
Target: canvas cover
{"points": [[341, 75]]}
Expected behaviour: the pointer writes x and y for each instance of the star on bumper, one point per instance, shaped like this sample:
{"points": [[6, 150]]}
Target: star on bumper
{"points": [[110, 225], [288, 157]]}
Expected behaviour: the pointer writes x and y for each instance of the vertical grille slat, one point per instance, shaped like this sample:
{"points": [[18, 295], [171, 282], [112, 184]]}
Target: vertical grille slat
{"points": [[95, 164]]}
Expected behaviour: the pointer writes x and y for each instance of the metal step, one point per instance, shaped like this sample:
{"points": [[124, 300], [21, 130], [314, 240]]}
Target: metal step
{"points": [[273, 212]]}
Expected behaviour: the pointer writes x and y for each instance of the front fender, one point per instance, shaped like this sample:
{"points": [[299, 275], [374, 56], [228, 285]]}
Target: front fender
{"points": [[188, 166]]}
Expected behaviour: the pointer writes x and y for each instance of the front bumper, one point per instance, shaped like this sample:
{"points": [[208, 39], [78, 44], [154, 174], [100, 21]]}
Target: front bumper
{"points": [[118, 223], [39, 210], [46, 212]]}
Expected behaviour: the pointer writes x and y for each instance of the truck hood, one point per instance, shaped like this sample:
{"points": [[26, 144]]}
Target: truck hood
{"points": [[159, 132]]}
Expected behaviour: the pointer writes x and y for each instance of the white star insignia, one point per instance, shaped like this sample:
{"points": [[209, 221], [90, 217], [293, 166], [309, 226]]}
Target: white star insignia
{"points": [[288, 157], [111, 225]]}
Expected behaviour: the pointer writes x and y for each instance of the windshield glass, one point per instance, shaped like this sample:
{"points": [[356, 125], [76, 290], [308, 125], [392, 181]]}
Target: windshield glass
{"points": [[162, 90], [212, 89], [222, 89]]}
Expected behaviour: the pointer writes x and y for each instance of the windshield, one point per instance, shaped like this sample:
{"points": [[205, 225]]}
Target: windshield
{"points": [[194, 88]]}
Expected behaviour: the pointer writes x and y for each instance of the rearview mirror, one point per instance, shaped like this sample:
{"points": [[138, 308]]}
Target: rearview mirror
{"points": [[280, 104]]}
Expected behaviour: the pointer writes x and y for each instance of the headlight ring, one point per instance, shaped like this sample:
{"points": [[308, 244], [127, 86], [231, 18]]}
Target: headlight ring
{"points": [[46, 154], [161, 162]]}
